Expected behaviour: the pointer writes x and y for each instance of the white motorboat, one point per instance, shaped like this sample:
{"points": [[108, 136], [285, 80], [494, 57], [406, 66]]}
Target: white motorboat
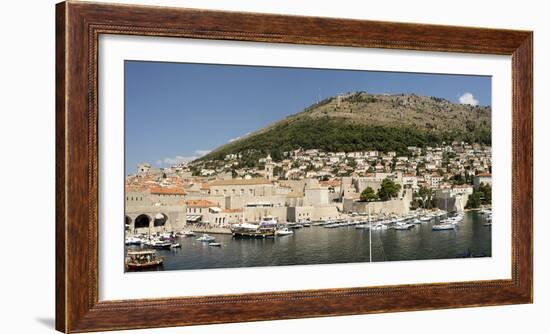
{"points": [[167, 235], [380, 226], [485, 211], [362, 226], [403, 226], [188, 233], [206, 238], [214, 244], [442, 227], [133, 241], [283, 232], [426, 218], [159, 244], [416, 221], [175, 245]]}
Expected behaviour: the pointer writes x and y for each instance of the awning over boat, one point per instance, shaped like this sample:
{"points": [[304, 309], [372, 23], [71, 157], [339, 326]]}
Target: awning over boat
{"points": [[159, 216], [194, 218]]}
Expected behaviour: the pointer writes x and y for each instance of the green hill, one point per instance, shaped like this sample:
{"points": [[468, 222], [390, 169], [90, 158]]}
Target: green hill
{"points": [[361, 121]]}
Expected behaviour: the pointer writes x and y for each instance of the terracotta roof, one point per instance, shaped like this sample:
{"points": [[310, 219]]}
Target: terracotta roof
{"points": [[166, 191], [199, 203], [329, 183], [240, 182]]}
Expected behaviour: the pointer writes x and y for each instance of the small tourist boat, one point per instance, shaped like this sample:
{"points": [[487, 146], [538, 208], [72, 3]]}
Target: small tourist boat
{"points": [[214, 244], [144, 259], [268, 221], [206, 238], [442, 227], [247, 230], [245, 227], [283, 232]]}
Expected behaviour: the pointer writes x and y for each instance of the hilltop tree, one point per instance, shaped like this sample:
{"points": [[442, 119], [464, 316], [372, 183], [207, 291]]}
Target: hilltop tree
{"points": [[368, 195], [388, 189]]}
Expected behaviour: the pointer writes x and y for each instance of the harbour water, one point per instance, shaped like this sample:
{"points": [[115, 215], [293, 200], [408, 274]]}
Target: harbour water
{"points": [[319, 245]]}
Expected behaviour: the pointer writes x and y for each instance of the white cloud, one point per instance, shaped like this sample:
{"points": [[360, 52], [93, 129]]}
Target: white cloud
{"points": [[178, 159], [468, 98]]}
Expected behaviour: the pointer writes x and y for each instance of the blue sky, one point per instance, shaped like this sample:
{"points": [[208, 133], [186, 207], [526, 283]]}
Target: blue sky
{"points": [[179, 111]]}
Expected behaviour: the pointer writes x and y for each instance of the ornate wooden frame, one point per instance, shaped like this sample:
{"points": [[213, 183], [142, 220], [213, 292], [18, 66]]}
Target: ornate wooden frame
{"points": [[78, 25]]}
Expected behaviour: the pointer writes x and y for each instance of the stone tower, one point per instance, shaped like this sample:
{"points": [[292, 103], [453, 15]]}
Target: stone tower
{"points": [[269, 167]]}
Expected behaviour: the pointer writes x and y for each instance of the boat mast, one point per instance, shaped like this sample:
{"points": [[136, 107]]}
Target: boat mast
{"points": [[370, 237]]}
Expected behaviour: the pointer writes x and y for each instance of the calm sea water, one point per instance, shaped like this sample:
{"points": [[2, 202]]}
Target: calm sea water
{"points": [[319, 245]]}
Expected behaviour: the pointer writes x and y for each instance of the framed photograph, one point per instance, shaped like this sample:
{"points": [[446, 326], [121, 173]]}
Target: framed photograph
{"points": [[273, 167]]}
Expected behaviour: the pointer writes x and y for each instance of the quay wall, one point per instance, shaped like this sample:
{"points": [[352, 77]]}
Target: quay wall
{"points": [[398, 206], [174, 218], [209, 230]]}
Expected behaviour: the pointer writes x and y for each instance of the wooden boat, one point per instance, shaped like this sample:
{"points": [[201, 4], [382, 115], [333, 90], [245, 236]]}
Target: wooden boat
{"points": [[143, 259]]}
